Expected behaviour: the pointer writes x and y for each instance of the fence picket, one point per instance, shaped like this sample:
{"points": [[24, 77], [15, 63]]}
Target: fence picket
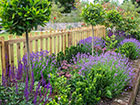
{"points": [[46, 40], [11, 54], [18, 51], [36, 43], [58, 40], [41, 41], [30, 43], [55, 44]]}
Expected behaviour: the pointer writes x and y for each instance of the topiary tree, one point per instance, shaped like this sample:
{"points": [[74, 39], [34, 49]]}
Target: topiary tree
{"points": [[93, 14], [113, 19], [21, 16]]}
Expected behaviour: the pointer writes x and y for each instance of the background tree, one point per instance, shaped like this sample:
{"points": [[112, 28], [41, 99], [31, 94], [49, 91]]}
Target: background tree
{"points": [[67, 4], [21, 16], [93, 14], [56, 11], [113, 19]]}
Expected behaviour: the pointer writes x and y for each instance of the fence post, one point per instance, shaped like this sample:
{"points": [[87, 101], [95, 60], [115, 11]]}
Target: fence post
{"points": [[5, 55], [69, 38]]}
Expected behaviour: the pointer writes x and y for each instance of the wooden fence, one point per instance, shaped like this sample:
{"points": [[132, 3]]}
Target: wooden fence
{"points": [[13, 49]]}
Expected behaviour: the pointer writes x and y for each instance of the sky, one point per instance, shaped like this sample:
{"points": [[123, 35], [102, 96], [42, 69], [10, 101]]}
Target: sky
{"points": [[118, 0]]}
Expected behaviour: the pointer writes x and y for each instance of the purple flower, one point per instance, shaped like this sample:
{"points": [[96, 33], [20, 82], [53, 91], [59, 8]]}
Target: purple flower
{"points": [[136, 42], [98, 42], [26, 93], [115, 74]]}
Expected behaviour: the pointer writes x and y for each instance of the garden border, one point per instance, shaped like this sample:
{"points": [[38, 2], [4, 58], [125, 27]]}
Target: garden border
{"points": [[135, 90]]}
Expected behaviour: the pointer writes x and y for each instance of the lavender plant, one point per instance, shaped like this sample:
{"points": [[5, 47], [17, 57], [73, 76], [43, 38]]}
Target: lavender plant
{"points": [[16, 88], [130, 48], [99, 44], [112, 71], [42, 63]]}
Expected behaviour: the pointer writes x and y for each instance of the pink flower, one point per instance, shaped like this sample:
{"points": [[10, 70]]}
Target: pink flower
{"points": [[61, 73], [64, 67], [75, 67], [79, 73], [68, 75], [68, 65], [104, 49]]}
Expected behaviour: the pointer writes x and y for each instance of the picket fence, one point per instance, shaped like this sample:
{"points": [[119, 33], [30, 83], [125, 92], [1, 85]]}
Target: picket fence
{"points": [[13, 49]]}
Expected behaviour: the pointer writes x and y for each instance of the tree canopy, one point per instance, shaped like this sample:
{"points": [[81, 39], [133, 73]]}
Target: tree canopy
{"points": [[19, 16]]}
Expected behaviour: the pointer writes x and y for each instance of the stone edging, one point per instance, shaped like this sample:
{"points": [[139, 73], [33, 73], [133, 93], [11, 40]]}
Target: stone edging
{"points": [[135, 90], [129, 97]]}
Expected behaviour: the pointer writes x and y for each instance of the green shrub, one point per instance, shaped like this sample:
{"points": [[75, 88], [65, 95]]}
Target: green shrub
{"points": [[111, 42], [69, 53], [129, 49], [8, 95], [111, 71], [113, 19]]}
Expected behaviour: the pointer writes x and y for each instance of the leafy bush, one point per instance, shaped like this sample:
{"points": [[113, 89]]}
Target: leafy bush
{"points": [[76, 90], [113, 19], [42, 64], [100, 76], [69, 53], [19, 16], [113, 72], [131, 10], [111, 42], [130, 48], [129, 25], [93, 14]]}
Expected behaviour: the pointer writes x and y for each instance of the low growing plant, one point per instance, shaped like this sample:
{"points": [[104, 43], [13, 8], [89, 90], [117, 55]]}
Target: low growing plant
{"points": [[99, 44], [16, 88], [113, 71], [42, 64], [130, 48]]}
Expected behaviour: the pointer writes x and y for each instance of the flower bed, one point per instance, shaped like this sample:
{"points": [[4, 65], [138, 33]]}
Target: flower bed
{"points": [[74, 78]]}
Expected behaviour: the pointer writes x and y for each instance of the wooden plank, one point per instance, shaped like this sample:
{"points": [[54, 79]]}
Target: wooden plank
{"points": [[69, 39], [64, 42], [73, 41], [50, 45], [46, 41], [11, 54], [39, 37], [46, 44], [55, 44], [6, 48], [62, 49], [41, 41], [24, 46], [58, 44], [30, 43], [36, 43], [18, 51], [3, 56]]}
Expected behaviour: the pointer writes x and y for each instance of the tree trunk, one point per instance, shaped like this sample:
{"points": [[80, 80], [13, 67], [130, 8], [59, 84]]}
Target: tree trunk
{"points": [[28, 56], [92, 40]]}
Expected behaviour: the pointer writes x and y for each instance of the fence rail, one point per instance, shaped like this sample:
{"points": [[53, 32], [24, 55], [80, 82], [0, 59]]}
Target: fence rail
{"points": [[13, 49]]}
